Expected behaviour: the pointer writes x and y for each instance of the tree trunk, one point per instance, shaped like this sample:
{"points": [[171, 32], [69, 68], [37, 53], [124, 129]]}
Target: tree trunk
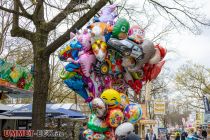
{"points": [[41, 80]]}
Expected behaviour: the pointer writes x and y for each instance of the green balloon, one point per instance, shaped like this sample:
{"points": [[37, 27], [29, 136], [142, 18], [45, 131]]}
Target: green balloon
{"points": [[96, 124], [121, 26]]}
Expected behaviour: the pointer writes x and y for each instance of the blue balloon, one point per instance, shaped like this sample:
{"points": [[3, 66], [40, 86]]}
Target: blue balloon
{"points": [[77, 85]]}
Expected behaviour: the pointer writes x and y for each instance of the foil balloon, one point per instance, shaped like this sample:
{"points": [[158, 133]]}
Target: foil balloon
{"points": [[152, 71], [124, 100], [88, 134], [98, 30], [111, 97], [136, 34], [109, 135], [66, 75], [99, 49], [99, 107], [78, 85], [133, 113], [96, 124], [124, 129], [107, 14], [159, 55], [85, 40], [99, 136], [115, 117], [148, 51], [120, 29], [84, 64]]}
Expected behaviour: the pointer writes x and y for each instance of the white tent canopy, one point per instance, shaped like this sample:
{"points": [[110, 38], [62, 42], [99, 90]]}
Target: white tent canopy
{"points": [[6, 107], [52, 106]]}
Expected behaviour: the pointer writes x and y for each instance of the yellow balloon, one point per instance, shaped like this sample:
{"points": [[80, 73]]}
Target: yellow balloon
{"points": [[111, 97]]}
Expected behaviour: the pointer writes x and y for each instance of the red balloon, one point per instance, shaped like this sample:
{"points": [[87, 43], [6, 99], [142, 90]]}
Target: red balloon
{"points": [[151, 71]]}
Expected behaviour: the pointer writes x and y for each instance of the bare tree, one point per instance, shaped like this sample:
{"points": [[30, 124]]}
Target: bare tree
{"points": [[193, 81], [41, 48], [5, 22], [35, 21]]}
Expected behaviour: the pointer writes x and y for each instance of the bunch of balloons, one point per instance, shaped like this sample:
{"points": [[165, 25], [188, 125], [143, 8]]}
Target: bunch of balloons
{"points": [[104, 60], [112, 115], [13, 75], [108, 54]]}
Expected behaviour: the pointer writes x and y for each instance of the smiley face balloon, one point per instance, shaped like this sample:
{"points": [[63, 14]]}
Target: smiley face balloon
{"points": [[111, 97]]}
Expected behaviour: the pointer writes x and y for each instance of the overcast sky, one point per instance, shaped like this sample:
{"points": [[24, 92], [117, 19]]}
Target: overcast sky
{"points": [[187, 46]]}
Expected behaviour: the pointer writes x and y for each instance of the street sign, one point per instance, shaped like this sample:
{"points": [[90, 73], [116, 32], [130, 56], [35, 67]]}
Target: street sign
{"points": [[159, 107]]}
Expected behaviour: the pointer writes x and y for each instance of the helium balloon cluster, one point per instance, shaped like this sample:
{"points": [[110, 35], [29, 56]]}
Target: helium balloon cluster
{"points": [[104, 60], [112, 115], [13, 75], [108, 53]]}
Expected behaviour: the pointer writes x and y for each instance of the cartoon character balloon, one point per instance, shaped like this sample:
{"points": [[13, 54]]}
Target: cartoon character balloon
{"points": [[111, 97], [99, 49], [99, 30], [136, 34], [133, 113], [120, 29], [99, 107], [107, 14], [96, 124], [115, 117]]}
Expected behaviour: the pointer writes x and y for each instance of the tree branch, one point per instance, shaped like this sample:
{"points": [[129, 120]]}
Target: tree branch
{"points": [[79, 24], [16, 30], [15, 12], [62, 15], [23, 9]]}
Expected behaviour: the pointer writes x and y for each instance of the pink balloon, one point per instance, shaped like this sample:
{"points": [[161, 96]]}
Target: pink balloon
{"points": [[86, 61]]}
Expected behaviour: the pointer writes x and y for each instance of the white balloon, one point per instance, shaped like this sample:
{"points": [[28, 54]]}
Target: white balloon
{"points": [[124, 129]]}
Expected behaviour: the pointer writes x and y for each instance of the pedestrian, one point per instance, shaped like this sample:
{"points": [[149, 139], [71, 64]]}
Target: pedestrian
{"points": [[81, 136], [151, 135], [204, 134], [177, 135], [183, 135], [191, 135], [131, 136]]}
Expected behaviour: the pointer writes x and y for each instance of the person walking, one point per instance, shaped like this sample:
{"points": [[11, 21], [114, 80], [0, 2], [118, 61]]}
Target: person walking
{"points": [[150, 135], [184, 135], [204, 134], [177, 134], [81, 137]]}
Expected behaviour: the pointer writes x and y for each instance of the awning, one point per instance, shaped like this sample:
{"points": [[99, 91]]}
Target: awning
{"points": [[70, 113], [26, 111], [148, 122], [14, 117], [6, 107]]}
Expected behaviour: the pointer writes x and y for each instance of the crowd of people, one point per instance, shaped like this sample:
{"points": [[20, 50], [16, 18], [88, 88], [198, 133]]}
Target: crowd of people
{"points": [[183, 134], [191, 134]]}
